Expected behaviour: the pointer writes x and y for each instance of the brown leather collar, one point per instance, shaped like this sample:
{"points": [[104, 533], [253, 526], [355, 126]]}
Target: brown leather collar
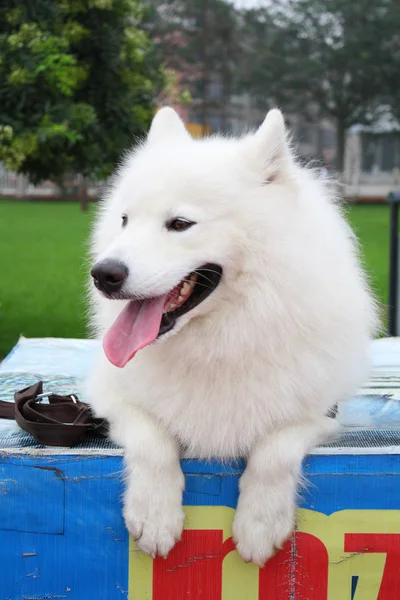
{"points": [[64, 421]]}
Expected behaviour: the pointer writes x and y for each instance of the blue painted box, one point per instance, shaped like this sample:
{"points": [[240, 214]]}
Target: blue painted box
{"points": [[62, 533]]}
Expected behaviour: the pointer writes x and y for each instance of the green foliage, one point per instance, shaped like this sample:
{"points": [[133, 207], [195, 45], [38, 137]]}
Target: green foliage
{"points": [[173, 93], [78, 81]]}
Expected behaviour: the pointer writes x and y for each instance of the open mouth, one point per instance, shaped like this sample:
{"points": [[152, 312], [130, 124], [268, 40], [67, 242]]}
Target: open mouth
{"points": [[188, 294], [141, 322]]}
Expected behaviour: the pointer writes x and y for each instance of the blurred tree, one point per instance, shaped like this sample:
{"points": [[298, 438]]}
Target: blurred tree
{"points": [[196, 39], [322, 57], [173, 93], [391, 69], [77, 83]]}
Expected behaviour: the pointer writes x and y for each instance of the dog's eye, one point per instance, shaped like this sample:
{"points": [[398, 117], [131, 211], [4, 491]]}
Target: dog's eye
{"points": [[124, 220], [179, 224]]}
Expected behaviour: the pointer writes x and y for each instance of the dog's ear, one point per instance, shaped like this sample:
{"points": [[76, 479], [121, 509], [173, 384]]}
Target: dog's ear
{"points": [[167, 125], [267, 150]]}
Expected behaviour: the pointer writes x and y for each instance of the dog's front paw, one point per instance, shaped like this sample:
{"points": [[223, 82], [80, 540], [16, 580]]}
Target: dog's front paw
{"points": [[153, 511], [264, 521]]}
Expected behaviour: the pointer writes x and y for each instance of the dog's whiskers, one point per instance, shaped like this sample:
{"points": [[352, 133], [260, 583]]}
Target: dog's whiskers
{"points": [[197, 282], [200, 273], [209, 271]]}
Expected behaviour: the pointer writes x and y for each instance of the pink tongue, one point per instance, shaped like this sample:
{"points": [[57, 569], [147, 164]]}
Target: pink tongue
{"points": [[136, 327]]}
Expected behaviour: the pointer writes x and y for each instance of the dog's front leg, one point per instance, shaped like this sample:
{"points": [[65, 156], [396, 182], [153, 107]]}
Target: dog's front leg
{"points": [[265, 516], [153, 497]]}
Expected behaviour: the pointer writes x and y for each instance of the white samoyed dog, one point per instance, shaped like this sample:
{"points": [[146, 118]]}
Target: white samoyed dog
{"points": [[239, 262]]}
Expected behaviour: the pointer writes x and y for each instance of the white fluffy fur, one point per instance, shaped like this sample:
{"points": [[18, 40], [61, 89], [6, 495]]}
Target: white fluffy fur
{"points": [[254, 368]]}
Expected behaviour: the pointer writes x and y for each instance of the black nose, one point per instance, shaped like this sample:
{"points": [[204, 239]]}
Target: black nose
{"points": [[109, 276]]}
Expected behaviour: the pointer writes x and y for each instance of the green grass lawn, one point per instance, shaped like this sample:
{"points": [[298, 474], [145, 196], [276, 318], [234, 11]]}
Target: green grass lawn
{"points": [[371, 224], [42, 258]]}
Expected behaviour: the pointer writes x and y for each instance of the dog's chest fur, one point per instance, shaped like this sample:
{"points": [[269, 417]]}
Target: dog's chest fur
{"points": [[208, 414], [215, 408]]}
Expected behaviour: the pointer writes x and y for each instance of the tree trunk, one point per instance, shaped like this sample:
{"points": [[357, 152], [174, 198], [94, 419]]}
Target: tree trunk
{"points": [[341, 145], [205, 74], [84, 197], [226, 35]]}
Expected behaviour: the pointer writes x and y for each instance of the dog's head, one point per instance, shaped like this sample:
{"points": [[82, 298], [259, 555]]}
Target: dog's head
{"points": [[171, 235]]}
